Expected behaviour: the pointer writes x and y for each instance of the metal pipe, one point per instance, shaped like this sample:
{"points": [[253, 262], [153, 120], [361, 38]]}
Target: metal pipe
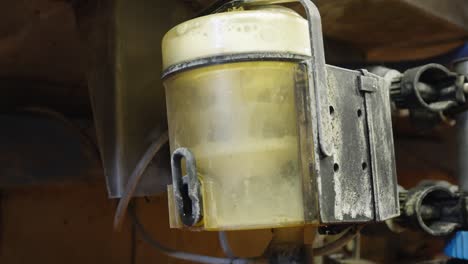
{"points": [[461, 67]]}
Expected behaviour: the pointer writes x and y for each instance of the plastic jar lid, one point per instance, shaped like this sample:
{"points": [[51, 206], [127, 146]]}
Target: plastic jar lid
{"points": [[272, 29]]}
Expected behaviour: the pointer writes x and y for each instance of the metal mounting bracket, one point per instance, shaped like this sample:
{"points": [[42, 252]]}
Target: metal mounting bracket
{"points": [[381, 147]]}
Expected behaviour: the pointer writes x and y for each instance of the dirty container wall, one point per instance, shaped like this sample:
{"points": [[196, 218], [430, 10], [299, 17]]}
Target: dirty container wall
{"points": [[239, 120]]}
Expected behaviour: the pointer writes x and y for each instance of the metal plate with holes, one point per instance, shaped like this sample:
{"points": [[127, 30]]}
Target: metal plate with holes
{"points": [[357, 183], [344, 183]]}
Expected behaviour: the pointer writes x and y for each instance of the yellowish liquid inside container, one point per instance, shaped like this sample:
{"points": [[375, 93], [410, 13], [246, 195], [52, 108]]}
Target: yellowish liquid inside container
{"points": [[239, 120]]}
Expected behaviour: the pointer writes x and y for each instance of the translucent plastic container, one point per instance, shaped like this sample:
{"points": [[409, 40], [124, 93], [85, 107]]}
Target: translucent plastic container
{"points": [[239, 120]]}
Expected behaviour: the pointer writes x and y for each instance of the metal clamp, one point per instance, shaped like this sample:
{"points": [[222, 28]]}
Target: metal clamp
{"points": [[318, 75], [382, 156], [186, 188]]}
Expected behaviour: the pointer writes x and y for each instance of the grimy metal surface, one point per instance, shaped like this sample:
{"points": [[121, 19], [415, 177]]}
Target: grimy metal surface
{"points": [[381, 145], [351, 183], [345, 190], [358, 182], [123, 47], [318, 75], [308, 147], [313, 114]]}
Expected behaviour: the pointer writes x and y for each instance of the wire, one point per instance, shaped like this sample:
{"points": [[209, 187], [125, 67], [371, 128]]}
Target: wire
{"points": [[135, 178], [224, 243], [347, 236], [180, 254]]}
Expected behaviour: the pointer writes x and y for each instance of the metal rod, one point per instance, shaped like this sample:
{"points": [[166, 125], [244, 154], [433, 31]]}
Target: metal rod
{"points": [[461, 67], [317, 69]]}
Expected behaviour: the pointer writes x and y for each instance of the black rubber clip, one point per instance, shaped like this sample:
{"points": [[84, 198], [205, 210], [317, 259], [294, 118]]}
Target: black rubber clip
{"points": [[187, 192]]}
